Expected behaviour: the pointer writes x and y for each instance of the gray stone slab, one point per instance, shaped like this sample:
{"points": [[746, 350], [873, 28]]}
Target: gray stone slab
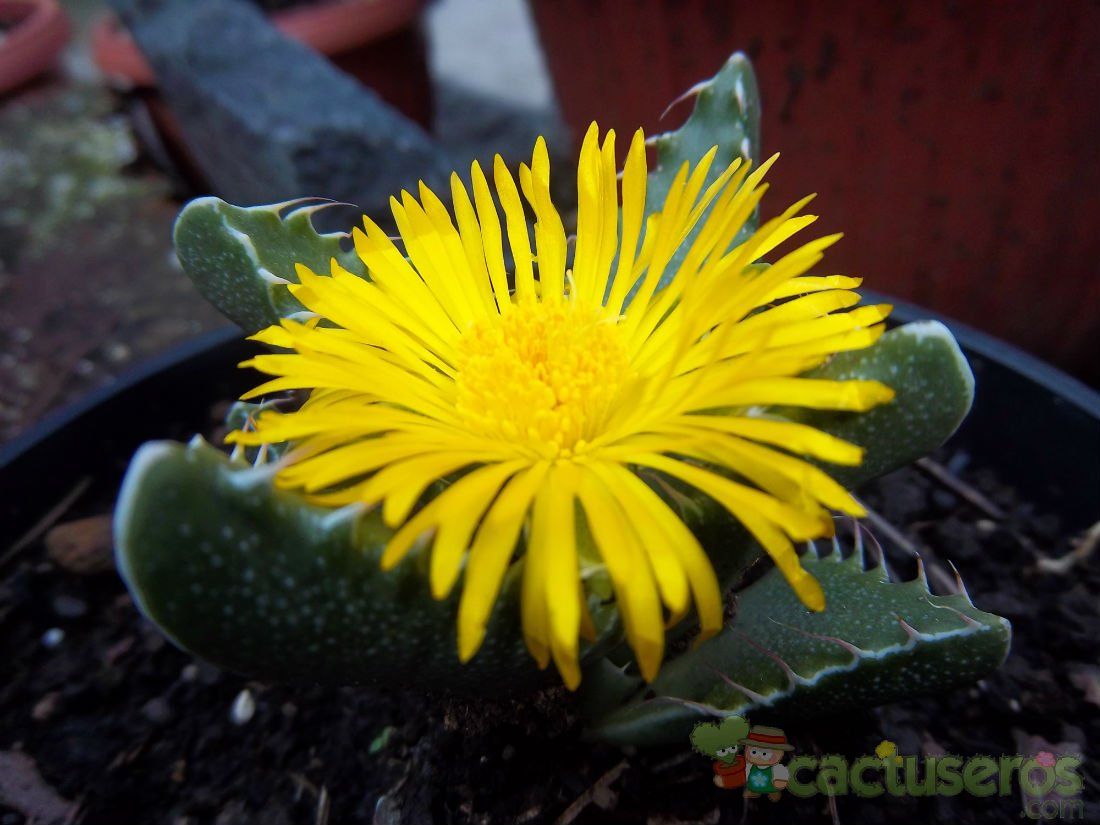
{"points": [[267, 118]]}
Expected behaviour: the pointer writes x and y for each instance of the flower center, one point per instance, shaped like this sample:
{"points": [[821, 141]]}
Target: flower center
{"points": [[543, 374]]}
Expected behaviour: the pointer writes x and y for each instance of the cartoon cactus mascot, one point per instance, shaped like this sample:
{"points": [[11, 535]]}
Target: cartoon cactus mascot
{"points": [[721, 741], [481, 446]]}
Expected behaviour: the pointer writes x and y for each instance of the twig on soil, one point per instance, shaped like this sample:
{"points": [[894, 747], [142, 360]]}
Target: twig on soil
{"points": [[324, 802], [1082, 549], [47, 521], [672, 762], [834, 814], [928, 563], [879, 522], [301, 783], [600, 792], [946, 582], [321, 818], [956, 485], [128, 755]]}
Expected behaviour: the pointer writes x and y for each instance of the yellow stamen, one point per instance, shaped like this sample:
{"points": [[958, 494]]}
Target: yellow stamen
{"points": [[543, 376]]}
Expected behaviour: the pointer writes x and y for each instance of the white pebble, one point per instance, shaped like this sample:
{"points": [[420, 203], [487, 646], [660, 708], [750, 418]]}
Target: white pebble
{"points": [[53, 637], [244, 707]]}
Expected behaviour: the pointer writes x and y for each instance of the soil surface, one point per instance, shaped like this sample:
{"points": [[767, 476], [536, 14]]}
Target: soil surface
{"points": [[103, 722]]}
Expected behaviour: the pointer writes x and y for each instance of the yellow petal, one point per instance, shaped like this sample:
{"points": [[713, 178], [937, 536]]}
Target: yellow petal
{"points": [[631, 576], [491, 237], [460, 508], [633, 216], [516, 225], [490, 555], [798, 438], [554, 543]]}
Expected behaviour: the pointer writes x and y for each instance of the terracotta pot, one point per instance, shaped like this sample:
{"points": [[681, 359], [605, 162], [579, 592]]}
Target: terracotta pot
{"points": [[953, 143], [38, 31], [379, 42]]}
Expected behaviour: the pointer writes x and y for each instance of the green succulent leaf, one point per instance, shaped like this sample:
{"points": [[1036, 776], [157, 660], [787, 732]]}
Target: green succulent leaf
{"points": [[922, 362], [242, 258], [934, 389], [876, 641], [726, 115], [256, 580]]}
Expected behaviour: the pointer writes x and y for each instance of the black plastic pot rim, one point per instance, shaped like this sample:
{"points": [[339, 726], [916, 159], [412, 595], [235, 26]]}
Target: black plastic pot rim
{"points": [[61, 418], [994, 349]]}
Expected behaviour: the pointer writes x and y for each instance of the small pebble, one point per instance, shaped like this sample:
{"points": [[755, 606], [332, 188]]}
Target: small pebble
{"points": [[53, 637], [45, 707], [1014, 705], [157, 711], [244, 708], [508, 753], [208, 674], [118, 650], [117, 352], [151, 638], [190, 672], [985, 526], [83, 546], [69, 607]]}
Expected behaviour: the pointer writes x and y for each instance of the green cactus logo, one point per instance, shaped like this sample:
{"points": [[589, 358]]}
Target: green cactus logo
{"points": [[744, 756], [721, 741]]}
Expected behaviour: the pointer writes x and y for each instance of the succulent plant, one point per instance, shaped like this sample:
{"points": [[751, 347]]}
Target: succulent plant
{"points": [[264, 579]]}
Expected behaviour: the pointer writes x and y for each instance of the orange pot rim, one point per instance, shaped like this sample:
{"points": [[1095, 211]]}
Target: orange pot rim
{"points": [[41, 31]]}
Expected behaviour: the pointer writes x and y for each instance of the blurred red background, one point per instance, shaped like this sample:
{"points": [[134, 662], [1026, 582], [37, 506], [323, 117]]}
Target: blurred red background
{"points": [[955, 143]]}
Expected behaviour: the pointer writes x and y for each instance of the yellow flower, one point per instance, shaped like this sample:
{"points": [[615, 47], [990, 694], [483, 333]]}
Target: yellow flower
{"points": [[554, 407]]}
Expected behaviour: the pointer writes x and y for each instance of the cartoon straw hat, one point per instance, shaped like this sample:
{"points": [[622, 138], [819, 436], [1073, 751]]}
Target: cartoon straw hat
{"points": [[764, 737]]}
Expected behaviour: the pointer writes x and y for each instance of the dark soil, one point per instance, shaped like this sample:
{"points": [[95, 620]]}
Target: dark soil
{"points": [[132, 730]]}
